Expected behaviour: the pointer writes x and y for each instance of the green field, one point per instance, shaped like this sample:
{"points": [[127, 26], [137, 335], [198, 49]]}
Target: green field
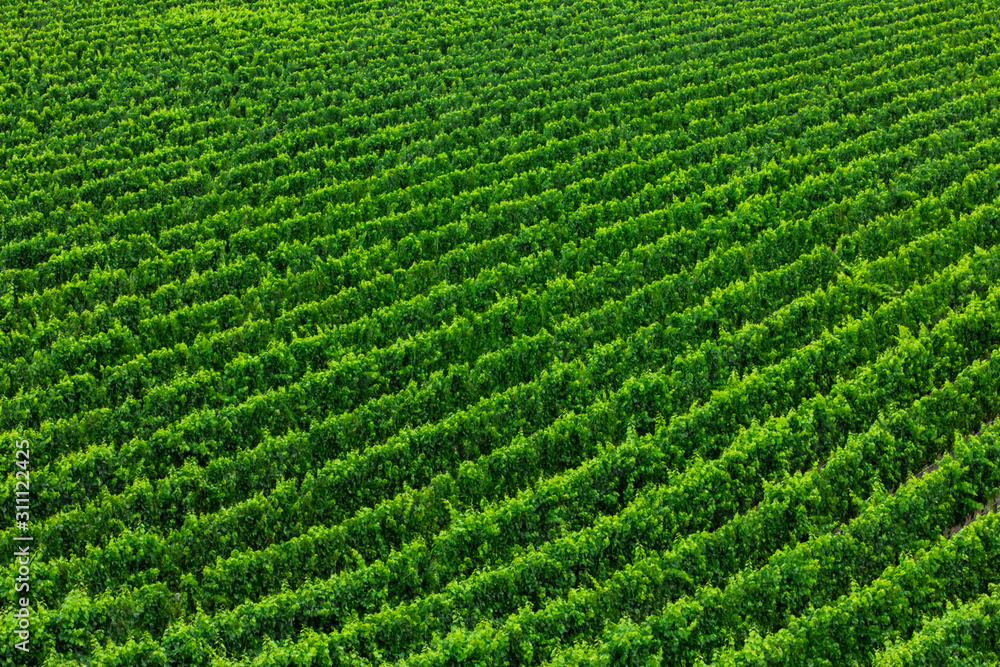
{"points": [[495, 332]]}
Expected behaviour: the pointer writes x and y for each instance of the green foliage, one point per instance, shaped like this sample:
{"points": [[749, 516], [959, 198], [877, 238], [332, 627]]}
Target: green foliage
{"points": [[608, 333]]}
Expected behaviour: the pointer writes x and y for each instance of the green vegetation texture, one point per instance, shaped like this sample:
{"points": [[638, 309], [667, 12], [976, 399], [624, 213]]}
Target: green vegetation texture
{"points": [[501, 332]]}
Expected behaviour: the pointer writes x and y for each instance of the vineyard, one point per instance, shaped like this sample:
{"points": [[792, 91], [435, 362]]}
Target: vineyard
{"points": [[500, 332]]}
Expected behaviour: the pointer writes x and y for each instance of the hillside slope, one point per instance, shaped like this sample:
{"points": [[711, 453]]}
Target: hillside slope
{"points": [[610, 332]]}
